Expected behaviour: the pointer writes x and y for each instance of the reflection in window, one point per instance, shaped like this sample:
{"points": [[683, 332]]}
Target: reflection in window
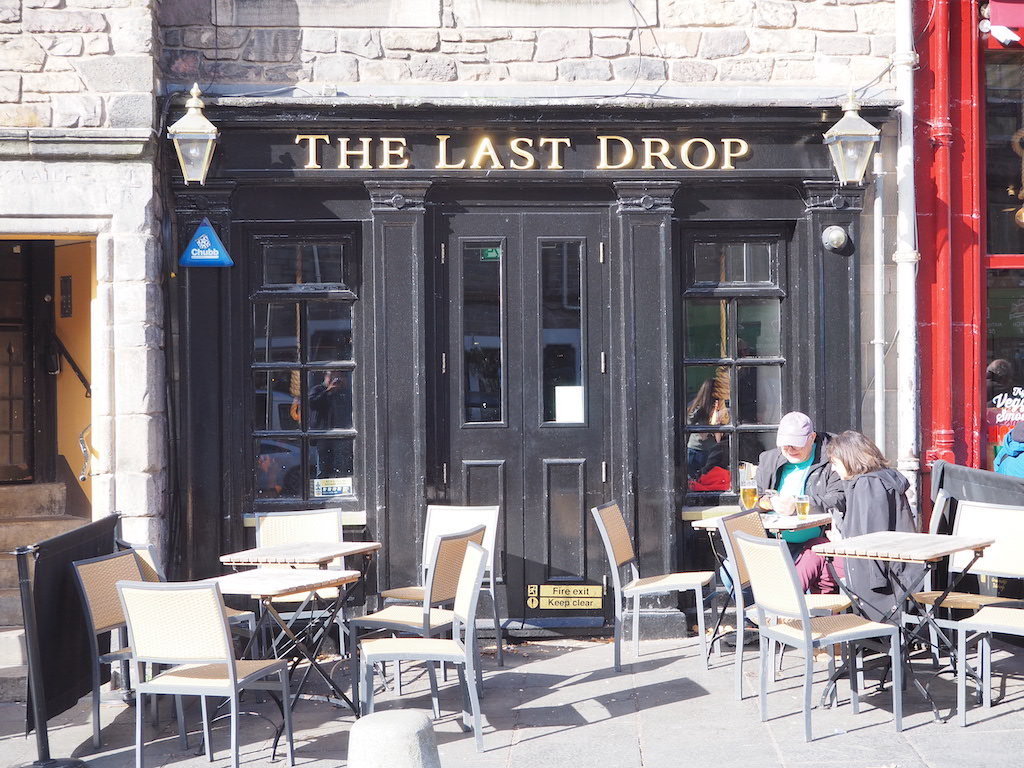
{"points": [[1004, 153], [332, 464], [732, 355], [330, 400], [731, 262], [278, 400], [329, 331], [1004, 376], [303, 263], [304, 371], [482, 330], [562, 332], [276, 336]]}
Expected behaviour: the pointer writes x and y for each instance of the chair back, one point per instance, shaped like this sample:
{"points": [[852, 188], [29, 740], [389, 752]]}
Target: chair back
{"points": [[148, 562], [97, 580], [940, 511], [176, 623], [1001, 522], [467, 594], [300, 526], [443, 519], [773, 576], [442, 579], [748, 522]]}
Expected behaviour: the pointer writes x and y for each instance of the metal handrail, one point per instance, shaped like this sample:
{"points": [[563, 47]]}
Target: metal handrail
{"points": [[63, 352]]}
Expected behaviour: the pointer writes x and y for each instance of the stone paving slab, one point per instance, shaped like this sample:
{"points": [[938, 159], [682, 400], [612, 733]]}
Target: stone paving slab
{"points": [[559, 704]]}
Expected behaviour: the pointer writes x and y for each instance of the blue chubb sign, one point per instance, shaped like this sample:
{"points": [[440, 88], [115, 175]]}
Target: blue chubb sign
{"points": [[205, 249]]}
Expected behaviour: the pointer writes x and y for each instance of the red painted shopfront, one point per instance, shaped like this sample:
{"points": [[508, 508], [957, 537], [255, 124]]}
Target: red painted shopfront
{"points": [[969, 140]]}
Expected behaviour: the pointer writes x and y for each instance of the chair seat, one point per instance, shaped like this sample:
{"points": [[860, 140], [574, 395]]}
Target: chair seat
{"points": [[187, 676], [965, 601], [411, 594], [996, 619], [668, 582], [401, 648], [838, 628], [816, 604], [405, 618]]}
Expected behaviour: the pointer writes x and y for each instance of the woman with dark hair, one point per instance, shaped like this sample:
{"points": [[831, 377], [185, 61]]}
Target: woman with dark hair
{"points": [[704, 409], [876, 500]]}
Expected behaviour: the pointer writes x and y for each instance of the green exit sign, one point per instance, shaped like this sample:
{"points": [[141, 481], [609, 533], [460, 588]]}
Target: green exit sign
{"points": [[490, 254]]}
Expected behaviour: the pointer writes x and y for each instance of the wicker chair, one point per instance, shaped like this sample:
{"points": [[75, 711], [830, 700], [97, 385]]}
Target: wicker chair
{"points": [[298, 526], [457, 651], [184, 625], [97, 580], [1007, 621], [783, 616], [749, 522], [445, 519], [619, 547], [424, 620], [1003, 559]]}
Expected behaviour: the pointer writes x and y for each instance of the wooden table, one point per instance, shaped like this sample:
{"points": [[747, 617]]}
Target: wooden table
{"points": [[317, 553], [772, 521], [266, 584], [924, 549]]}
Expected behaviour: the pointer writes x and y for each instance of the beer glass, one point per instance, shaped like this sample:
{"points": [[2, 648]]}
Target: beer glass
{"points": [[803, 507], [748, 495]]}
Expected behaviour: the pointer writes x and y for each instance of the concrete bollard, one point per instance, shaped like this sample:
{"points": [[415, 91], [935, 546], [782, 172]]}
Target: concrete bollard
{"points": [[398, 738]]}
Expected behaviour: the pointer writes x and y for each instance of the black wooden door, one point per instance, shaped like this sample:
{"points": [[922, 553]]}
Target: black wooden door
{"points": [[528, 397], [27, 365]]}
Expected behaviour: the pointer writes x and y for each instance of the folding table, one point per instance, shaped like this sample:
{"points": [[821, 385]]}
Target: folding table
{"points": [[924, 549]]}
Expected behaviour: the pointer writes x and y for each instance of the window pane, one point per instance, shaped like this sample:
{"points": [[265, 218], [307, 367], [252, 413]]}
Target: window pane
{"points": [[276, 332], [1004, 92], [561, 331], [330, 467], [707, 328], [759, 396], [751, 445], [738, 262], [12, 302], [278, 400], [328, 331], [711, 472], [303, 263], [1005, 373], [481, 330], [707, 404], [278, 468], [758, 331], [330, 400]]}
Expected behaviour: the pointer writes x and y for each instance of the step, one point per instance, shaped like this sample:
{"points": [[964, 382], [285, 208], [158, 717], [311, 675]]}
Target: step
{"points": [[12, 647], [21, 531], [13, 683], [32, 500], [10, 607]]}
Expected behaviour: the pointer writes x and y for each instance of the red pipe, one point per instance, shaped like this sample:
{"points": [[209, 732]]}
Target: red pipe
{"points": [[941, 135]]}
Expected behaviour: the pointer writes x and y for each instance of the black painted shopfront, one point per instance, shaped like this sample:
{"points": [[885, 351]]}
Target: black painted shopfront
{"points": [[541, 308]]}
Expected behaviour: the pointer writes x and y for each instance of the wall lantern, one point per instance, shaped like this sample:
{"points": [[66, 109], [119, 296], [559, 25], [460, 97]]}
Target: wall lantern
{"points": [[194, 137], [850, 141]]}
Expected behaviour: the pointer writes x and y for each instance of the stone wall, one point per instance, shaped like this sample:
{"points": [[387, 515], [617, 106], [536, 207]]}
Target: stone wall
{"points": [[76, 63], [326, 47]]}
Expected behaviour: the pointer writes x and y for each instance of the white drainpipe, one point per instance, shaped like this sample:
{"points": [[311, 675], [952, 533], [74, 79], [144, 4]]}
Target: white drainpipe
{"points": [[878, 342], [906, 257]]}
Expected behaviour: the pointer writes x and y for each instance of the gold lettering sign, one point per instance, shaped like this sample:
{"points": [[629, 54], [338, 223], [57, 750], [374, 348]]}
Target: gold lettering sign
{"points": [[525, 153]]}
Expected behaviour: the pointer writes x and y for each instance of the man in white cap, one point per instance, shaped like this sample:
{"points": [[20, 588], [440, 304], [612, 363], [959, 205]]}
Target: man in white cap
{"points": [[799, 466]]}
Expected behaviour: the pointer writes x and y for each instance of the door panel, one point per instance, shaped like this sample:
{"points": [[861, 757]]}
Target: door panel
{"points": [[528, 395]]}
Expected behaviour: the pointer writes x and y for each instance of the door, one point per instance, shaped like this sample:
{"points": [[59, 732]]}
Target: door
{"points": [[528, 398], [27, 394]]}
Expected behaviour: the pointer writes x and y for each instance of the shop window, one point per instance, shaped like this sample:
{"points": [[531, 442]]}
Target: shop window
{"points": [[732, 355], [304, 370], [1004, 376]]}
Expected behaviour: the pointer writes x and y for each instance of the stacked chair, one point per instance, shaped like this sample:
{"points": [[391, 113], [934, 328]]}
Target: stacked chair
{"points": [[458, 650]]}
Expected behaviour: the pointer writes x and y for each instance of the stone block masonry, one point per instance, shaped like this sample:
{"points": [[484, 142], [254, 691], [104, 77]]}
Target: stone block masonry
{"points": [[727, 42]]}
